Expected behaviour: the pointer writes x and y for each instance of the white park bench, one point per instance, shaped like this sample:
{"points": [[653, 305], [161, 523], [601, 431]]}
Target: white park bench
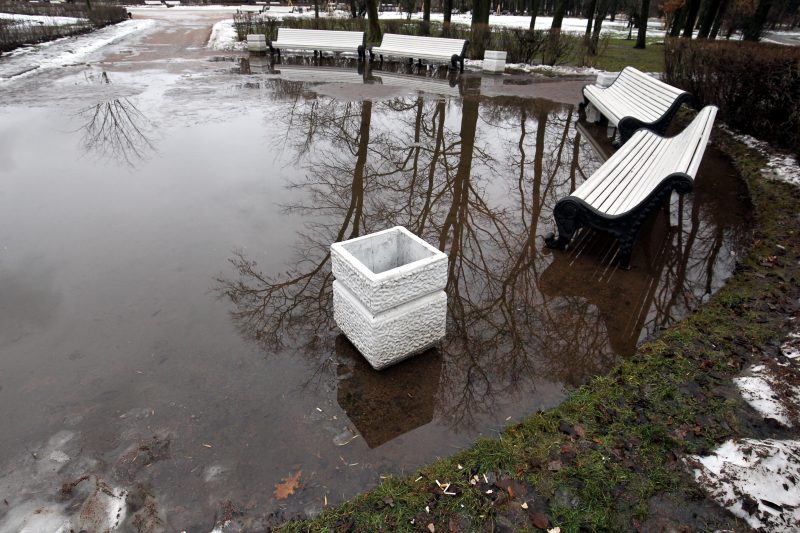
{"points": [[428, 48], [319, 41], [635, 100], [633, 182]]}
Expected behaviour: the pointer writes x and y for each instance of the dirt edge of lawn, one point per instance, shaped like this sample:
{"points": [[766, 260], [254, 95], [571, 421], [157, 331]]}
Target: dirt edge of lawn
{"points": [[610, 458]]}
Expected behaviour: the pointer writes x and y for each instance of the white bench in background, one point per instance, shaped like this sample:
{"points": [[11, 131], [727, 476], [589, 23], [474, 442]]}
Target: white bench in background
{"points": [[428, 48], [634, 181], [319, 41], [635, 100]]}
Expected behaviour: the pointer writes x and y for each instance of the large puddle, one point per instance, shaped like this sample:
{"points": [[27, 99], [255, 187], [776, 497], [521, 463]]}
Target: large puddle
{"points": [[166, 324]]}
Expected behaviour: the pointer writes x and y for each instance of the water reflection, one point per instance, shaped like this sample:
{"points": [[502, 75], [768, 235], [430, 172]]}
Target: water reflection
{"points": [[478, 178], [116, 129], [384, 405]]}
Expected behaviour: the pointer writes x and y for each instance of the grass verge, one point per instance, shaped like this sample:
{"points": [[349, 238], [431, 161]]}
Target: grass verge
{"points": [[596, 462]]}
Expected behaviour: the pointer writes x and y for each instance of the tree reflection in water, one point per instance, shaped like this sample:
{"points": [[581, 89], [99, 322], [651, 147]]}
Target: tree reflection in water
{"points": [[478, 177], [116, 129]]}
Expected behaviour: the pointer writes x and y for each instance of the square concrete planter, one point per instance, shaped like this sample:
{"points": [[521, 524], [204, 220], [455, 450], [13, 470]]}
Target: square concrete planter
{"points": [[604, 79], [494, 61], [388, 296], [257, 43]]}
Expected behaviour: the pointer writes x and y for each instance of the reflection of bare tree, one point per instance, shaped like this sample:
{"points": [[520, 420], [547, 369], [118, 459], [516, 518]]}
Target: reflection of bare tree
{"points": [[267, 307], [517, 314], [117, 129]]}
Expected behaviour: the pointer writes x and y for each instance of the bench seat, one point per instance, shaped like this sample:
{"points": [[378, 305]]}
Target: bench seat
{"points": [[428, 48], [319, 41], [635, 100], [633, 182]]}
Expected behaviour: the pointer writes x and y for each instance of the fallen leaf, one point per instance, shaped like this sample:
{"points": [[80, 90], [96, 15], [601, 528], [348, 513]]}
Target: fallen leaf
{"points": [[580, 431], [431, 528], [524, 505], [540, 520], [554, 530], [554, 466], [287, 486]]}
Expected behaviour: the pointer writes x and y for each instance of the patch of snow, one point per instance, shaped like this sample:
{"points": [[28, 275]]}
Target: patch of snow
{"points": [[557, 70], [67, 51], [791, 348], [103, 510], [758, 390], [35, 516], [780, 166], [42, 19], [59, 456], [224, 37], [755, 480]]}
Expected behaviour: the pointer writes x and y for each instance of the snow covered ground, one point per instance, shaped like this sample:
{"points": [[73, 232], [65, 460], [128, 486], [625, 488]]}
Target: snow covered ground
{"points": [[757, 480], [224, 38], [41, 19], [65, 51], [780, 166]]}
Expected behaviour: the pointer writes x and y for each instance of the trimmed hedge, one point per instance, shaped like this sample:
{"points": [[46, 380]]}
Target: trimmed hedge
{"points": [[755, 85]]}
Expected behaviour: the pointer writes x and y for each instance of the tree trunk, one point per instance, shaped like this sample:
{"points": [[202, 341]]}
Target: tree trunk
{"points": [[723, 8], [754, 27], [641, 37], [598, 23], [589, 16], [374, 25], [480, 11], [534, 12], [558, 15], [447, 7], [677, 22], [426, 17], [708, 18], [691, 17]]}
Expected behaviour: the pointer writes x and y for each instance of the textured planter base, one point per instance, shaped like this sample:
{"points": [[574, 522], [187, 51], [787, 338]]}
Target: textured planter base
{"points": [[257, 43], [389, 337]]}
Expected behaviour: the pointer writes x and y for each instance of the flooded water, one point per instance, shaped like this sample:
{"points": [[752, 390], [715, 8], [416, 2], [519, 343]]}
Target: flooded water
{"points": [[167, 348]]}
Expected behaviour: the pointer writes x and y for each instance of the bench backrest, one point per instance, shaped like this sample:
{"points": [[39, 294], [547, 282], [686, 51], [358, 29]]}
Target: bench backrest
{"points": [[636, 169], [650, 96], [426, 45], [343, 39]]}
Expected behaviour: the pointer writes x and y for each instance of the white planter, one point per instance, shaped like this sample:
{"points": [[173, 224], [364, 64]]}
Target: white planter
{"points": [[604, 79], [388, 296], [256, 43], [494, 61]]}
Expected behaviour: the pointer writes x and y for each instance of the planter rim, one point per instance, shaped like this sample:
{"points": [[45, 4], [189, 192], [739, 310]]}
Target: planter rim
{"points": [[438, 255]]}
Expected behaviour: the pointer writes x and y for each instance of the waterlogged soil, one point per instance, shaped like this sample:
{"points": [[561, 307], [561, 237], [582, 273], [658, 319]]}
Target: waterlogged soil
{"points": [[169, 356]]}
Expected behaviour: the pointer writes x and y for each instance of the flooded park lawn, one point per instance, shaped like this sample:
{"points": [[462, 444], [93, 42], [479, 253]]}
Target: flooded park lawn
{"points": [[168, 348]]}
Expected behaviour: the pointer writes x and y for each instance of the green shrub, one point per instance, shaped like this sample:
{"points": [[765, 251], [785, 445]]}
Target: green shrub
{"points": [[755, 85]]}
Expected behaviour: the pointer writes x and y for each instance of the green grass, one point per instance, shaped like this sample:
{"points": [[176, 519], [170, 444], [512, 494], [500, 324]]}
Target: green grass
{"points": [[634, 422], [620, 53]]}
